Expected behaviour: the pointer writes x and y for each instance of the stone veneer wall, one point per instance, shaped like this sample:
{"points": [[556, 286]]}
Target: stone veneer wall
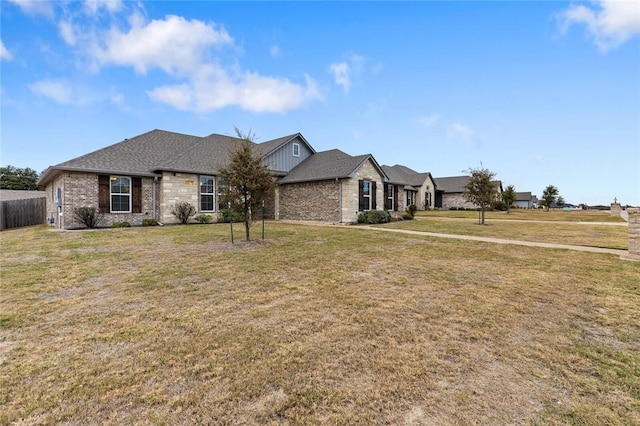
{"points": [[350, 192], [177, 188], [616, 208], [310, 201], [456, 200], [634, 232], [81, 190]]}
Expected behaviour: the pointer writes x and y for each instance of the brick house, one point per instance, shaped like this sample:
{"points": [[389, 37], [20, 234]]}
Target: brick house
{"points": [[406, 187], [145, 176], [331, 186], [450, 192]]}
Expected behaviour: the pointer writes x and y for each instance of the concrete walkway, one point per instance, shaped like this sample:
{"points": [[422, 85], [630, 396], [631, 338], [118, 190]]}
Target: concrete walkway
{"points": [[498, 240]]}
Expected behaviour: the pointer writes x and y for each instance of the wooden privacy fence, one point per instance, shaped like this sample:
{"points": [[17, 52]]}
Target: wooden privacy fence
{"points": [[27, 212]]}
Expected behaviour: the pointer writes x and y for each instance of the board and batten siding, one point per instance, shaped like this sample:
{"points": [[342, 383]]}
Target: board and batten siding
{"points": [[283, 159]]}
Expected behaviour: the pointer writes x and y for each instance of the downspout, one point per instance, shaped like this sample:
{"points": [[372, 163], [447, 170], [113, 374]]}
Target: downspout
{"points": [[153, 197], [339, 200]]}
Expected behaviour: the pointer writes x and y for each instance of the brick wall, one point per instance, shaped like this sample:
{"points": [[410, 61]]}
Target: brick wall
{"points": [[456, 200], [309, 201], [81, 190], [634, 232]]}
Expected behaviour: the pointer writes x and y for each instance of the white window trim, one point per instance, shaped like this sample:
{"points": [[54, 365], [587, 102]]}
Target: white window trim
{"points": [[296, 147], [111, 194], [213, 194], [390, 198]]}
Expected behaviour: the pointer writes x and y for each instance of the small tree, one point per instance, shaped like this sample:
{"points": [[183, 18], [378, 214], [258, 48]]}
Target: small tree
{"points": [[560, 201], [88, 216], [549, 196], [249, 181], [183, 211], [480, 189], [509, 197]]}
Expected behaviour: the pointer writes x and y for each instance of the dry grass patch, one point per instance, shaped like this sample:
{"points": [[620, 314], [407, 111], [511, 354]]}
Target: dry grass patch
{"points": [[319, 325], [530, 214], [582, 234]]}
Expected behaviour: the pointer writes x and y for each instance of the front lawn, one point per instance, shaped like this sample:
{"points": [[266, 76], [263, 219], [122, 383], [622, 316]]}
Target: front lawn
{"points": [[315, 325]]}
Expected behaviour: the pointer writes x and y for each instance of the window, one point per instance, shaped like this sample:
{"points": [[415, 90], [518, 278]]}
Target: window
{"points": [[427, 199], [411, 198], [389, 198], [223, 190], [207, 194], [120, 194], [366, 195], [296, 150]]}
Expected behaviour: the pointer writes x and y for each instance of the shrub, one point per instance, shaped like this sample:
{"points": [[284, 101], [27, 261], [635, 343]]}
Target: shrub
{"points": [[412, 209], [229, 215], [89, 216], [374, 216], [123, 224], [407, 216], [204, 218], [149, 222], [183, 211]]}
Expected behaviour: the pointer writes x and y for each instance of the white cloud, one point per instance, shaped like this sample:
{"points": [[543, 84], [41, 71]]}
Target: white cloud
{"points": [[94, 6], [182, 49], [342, 74], [67, 31], [464, 133], [56, 90], [35, 7], [178, 96], [609, 22], [175, 45], [214, 88], [4, 53], [428, 121], [275, 51]]}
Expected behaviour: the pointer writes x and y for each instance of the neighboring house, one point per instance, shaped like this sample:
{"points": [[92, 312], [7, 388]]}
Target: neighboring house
{"points": [[406, 187], [524, 200], [144, 177], [331, 186], [450, 192]]}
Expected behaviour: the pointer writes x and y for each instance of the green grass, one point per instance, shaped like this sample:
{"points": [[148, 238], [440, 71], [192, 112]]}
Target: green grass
{"points": [[315, 325]]}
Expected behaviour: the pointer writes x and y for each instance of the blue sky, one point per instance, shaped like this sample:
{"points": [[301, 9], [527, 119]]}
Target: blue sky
{"points": [[539, 92]]}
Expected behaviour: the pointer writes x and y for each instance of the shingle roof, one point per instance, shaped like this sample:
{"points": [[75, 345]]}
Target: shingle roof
{"points": [[523, 196], [325, 165], [205, 156], [139, 155], [403, 175], [451, 184], [159, 150]]}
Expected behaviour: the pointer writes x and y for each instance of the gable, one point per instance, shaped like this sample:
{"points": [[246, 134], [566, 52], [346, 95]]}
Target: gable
{"points": [[283, 158]]}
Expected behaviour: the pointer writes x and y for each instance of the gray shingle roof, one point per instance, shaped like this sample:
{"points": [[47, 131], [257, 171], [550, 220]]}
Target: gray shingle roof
{"points": [[325, 165], [139, 155], [403, 175], [523, 196], [159, 150], [451, 184]]}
